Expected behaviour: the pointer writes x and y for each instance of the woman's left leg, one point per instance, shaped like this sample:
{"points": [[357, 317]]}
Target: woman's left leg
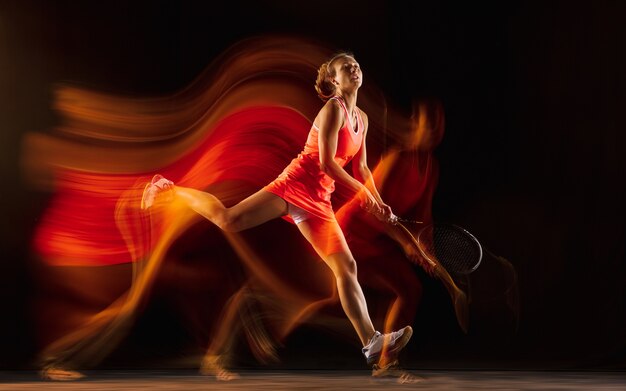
{"points": [[258, 208]]}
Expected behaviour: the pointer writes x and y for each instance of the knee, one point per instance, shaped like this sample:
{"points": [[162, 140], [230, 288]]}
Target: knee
{"points": [[346, 268]]}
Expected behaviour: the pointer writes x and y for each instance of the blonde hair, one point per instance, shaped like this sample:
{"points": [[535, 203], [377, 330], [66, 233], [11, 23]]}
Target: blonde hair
{"points": [[324, 85]]}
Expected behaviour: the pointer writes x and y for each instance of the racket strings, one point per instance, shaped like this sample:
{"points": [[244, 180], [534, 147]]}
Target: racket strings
{"points": [[454, 248]]}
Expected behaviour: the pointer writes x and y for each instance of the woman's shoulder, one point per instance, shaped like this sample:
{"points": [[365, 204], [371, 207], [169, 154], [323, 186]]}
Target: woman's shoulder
{"points": [[333, 103], [332, 107], [330, 113]]}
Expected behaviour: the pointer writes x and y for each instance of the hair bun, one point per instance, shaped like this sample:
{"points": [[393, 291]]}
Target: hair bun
{"points": [[323, 85]]}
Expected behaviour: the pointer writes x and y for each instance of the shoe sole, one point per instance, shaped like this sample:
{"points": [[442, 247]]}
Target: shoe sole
{"points": [[60, 375], [143, 196], [397, 347]]}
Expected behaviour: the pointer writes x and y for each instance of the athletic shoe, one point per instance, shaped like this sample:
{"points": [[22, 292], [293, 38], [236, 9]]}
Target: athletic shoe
{"points": [[390, 344], [156, 185], [214, 366], [55, 373]]}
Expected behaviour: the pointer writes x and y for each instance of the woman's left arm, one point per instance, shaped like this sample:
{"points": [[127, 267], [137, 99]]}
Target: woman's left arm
{"points": [[362, 173]]}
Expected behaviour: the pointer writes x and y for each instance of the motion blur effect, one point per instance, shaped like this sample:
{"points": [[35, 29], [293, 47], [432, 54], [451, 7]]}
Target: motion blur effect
{"points": [[230, 132]]}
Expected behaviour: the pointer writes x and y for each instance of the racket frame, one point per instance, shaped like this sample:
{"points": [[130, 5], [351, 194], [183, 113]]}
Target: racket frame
{"points": [[471, 237]]}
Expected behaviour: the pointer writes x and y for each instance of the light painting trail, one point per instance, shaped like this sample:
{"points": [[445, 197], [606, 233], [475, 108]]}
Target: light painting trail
{"points": [[229, 132]]}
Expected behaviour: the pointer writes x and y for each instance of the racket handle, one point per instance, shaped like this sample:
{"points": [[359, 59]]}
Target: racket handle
{"points": [[395, 220]]}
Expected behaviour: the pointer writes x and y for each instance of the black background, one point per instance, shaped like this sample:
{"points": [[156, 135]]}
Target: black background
{"points": [[532, 160]]}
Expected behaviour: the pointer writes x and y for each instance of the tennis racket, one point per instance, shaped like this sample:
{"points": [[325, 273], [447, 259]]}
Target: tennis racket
{"points": [[450, 245], [455, 251]]}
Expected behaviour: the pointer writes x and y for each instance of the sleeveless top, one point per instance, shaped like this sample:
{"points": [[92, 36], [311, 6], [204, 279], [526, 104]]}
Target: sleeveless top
{"points": [[303, 184]]}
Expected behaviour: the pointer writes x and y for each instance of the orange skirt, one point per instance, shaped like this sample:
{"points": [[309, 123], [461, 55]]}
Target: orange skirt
{"points": [[303, 184]]}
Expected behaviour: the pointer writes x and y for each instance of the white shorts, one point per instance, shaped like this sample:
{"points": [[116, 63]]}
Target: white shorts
{"points": [[297, 214]]}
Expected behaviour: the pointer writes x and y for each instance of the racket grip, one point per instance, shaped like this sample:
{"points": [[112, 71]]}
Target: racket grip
{"points": [[393, 219]]}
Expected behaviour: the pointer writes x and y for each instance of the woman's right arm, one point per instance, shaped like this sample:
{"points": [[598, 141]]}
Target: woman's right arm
{"points": [[330, 120]]}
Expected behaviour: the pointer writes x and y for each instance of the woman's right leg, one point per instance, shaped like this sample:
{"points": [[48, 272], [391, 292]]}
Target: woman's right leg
{"points": [[330, 243], [258, 208]]}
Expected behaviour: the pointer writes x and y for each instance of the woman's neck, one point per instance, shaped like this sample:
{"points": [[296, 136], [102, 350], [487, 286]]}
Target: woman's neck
{"points": [[349, 98]]}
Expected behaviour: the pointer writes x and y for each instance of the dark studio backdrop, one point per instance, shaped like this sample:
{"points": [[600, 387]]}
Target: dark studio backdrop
{"points": [[532, 160]]}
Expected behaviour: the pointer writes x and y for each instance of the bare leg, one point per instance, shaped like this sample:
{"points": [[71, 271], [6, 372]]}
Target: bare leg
{"points": [[260, 207], [240, 313], [215, 363], [252, 211], [344, 268]]}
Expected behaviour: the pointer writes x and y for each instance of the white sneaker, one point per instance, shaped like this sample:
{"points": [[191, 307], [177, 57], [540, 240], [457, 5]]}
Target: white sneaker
{"points": [[392, 344], [156, 185]]}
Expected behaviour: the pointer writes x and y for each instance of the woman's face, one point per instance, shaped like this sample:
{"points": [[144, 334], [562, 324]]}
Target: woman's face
{"points": [[348, 75]]}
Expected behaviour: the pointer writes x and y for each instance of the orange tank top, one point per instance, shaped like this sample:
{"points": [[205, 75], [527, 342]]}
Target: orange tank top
{"points": [[303, 183], [349, 138]]}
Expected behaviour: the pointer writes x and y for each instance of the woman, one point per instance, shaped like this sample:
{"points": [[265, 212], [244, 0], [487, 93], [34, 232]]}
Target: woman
{"points": [[302, 192]]}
